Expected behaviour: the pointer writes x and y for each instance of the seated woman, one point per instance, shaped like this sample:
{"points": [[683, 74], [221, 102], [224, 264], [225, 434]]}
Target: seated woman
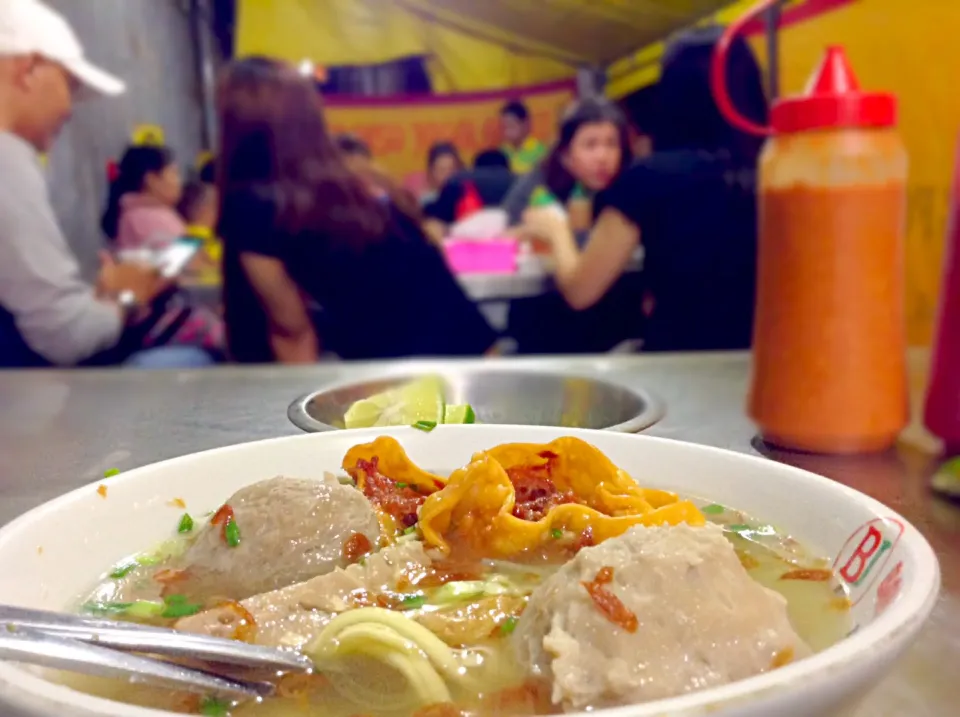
{"points": [[141, 211], [299, 228], [592, 149], [443, 161], [692, 203]]}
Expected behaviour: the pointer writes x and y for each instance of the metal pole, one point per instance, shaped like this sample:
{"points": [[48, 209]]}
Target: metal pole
{"points": [[585, 82], [771, 24], [201, 15]]}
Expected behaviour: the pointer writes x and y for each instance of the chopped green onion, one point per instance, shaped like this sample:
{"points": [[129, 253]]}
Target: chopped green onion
{"points": [[145, 609], [212, 707], [412, 602], [106, 608], [409, 531], [124, 569], [508, 626], [713, 509], [186, 524], [466, 590], [401, 485], [232, 533], [362, 561], [177, 606], [739, 528], [425, 426], [556, 533], [178, 611], [111, 472], [137, 608]]}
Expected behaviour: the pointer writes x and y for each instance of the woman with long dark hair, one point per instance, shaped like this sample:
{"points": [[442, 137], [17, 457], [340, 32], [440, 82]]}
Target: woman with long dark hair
{"points": [[141, 210], [592, 149], [301, 231], [692, 203]]}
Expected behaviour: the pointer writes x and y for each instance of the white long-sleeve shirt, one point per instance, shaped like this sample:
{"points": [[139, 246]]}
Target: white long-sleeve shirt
{"points": [[55, 310]]}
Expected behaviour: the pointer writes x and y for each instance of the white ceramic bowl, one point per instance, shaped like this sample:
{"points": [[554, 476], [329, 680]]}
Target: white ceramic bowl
{"points": [[51, 555]]}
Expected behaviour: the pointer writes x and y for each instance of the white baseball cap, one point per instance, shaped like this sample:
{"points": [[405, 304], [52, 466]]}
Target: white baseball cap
{"points": [[30, 27]]}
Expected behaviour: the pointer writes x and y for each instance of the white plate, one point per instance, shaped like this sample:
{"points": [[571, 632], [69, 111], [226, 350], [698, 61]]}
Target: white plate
{"points": [[54, 553]]}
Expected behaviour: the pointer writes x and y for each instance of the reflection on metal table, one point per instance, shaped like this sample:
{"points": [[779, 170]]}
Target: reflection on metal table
{"points": [[60, 430]]}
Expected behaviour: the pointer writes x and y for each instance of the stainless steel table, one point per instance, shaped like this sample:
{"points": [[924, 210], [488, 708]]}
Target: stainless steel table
{"points": [[59, 430]]}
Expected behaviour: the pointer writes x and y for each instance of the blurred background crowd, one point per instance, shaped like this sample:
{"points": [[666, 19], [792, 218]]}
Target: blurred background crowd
{"points": [[322, 179]]}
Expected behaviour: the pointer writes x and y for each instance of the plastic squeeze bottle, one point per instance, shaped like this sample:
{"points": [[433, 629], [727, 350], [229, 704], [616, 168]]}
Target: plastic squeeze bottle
{"points": [[829, 346], [942, 409]]}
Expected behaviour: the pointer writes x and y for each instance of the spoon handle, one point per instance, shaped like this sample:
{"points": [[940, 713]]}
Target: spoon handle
{"points": [[36, 648], [130, 637]]}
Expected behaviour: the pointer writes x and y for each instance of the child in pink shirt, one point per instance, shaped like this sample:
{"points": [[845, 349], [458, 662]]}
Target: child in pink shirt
{"points": [[142, 216], [141, 212]]}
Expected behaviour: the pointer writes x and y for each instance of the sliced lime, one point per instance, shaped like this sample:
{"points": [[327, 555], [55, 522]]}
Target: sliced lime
{"points": [[462, 413], [419, 400], [362, 414]]}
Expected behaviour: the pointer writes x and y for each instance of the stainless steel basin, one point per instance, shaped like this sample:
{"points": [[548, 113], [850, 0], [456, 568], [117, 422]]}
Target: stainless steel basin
{"points": [[513, 396]]}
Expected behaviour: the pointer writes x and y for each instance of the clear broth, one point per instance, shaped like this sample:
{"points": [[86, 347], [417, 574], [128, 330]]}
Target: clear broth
{"points": [[818, 610]]}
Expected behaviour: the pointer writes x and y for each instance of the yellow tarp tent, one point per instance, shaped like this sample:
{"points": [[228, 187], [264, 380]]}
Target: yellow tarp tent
{"points": [[469, 44]]}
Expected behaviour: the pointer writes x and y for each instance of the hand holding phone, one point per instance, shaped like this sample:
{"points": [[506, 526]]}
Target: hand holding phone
{"points": [[175, 258], [142, 279]]}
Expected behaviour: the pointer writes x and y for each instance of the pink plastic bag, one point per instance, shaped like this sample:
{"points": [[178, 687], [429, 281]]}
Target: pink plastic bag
{"points": [[490, 256]]}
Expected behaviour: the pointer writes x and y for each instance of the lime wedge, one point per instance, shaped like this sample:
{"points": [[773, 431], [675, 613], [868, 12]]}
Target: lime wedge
{"points": [[460, 414], [419, 400], [362, 414]]}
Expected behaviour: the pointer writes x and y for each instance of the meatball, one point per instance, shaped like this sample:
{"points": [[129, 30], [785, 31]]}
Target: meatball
{"points": [[654, 613], [290, 530], [293, 616]]}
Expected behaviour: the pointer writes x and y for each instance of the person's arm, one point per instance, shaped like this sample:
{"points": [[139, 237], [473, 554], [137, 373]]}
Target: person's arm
{"points": [[584, 277], [292, 335], [435, 230], [56, 312]]}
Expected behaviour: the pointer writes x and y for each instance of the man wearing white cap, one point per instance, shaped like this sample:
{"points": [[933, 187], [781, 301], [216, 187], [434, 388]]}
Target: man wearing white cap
{"points": [[48, 314]]}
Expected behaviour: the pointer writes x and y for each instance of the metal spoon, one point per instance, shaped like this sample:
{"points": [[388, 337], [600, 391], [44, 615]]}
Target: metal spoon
{"points": [[130, 637], [37, 648]]}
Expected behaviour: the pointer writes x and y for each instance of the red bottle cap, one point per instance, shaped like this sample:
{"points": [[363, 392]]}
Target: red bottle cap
{"points": [[470, 202], [833, 99]]}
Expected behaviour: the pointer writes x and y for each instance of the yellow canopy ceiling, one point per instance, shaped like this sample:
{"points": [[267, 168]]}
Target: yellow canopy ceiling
{"points": [[470, 44], [580, 32]]}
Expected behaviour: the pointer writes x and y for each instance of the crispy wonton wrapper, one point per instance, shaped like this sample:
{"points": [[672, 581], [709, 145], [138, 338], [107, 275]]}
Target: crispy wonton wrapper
{"points": [[394, 463], [477, 503]]}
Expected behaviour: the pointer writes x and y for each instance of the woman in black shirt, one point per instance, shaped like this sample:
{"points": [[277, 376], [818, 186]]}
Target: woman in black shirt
{"points": [[301, 233], [692, 203]]}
